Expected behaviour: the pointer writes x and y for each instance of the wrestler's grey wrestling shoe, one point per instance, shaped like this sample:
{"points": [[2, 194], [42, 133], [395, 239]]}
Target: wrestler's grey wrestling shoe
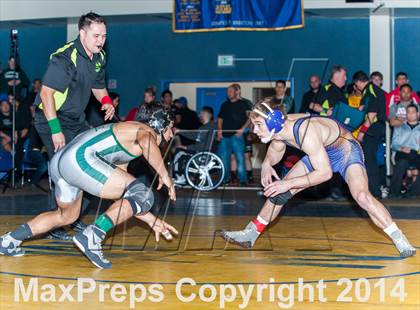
{"points": [[90, 244], [245, 238], [9, 246], [402, 244]]}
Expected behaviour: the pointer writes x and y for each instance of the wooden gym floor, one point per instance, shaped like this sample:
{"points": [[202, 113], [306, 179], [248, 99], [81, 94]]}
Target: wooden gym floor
{"points": [[312, 241]]}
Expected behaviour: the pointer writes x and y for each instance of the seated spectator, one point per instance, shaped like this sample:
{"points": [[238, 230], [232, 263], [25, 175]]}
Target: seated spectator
{"points": [[166, 99], [394, 96], [310, 96], [406, 144], [6, 124], [281, 98], [398, 111], [204, 139], [14, 74], [185, 118], [149, 96]]}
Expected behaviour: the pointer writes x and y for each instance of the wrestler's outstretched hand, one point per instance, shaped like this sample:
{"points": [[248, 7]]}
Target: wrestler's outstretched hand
{"points": [[161, 227], [276, 188], [267, 174]]}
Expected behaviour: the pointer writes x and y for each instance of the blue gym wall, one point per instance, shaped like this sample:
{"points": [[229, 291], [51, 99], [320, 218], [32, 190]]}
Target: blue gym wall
{"points": [[144, 54], [35, 46], [141, 55], [407, 49]]}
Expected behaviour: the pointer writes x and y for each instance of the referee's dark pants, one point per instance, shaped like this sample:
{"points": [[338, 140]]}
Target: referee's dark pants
{"points": [[70, 128]]}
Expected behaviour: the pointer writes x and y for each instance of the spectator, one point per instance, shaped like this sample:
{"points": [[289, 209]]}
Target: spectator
{"points": [[36, 87], [333, 92], [232, 121], [116, 98], [354, 96], [394, 97], [310, 96], [149, 96], [372, 131], [398, 111], [37, 154], [406, 144], [281, 98], [328, 97], [37, 157], [204, 141], [13, 74], [354, 99], [248, 136], [23, 123], [5, 125], [377, 78], [166, 99], [185, 118]]}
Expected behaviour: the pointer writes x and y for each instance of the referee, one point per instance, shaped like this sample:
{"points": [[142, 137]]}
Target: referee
{"points": [[74, 72]]}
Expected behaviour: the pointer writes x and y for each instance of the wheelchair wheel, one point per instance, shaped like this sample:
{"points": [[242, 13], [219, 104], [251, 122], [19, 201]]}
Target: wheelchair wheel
{"points": [[204, 171]]}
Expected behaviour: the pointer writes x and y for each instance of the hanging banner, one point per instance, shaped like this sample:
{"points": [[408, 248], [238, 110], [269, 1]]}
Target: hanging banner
{"points": [[222, 15]]}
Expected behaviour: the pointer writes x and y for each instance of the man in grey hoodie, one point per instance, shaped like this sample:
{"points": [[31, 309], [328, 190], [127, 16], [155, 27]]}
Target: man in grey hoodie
{"points": [[406, 144]]}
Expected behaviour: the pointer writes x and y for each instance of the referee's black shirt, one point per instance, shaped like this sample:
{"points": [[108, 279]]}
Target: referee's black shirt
{"points": [[73, 75]]}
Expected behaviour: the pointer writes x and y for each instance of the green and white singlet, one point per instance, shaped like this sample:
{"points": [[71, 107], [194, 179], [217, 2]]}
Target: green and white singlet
{"points": [[86, 163]]}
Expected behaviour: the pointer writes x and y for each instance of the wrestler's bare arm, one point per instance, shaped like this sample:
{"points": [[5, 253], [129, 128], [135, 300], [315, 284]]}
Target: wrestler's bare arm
{"points": [[275, 153], [151, 153]]}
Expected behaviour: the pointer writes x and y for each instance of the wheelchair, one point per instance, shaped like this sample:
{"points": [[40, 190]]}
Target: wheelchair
{"points": [[203, 171]]}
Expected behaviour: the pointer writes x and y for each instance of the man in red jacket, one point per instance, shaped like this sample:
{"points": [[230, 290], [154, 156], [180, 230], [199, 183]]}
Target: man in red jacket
{"points": [[393, 97]]}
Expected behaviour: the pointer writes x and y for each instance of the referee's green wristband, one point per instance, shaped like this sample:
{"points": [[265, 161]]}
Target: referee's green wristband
{"points": [[54, 125]]}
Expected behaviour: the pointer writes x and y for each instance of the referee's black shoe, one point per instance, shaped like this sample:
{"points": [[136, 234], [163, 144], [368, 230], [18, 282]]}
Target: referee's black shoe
{"points": [[61, 234], [58, 234], [78, 226]]}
